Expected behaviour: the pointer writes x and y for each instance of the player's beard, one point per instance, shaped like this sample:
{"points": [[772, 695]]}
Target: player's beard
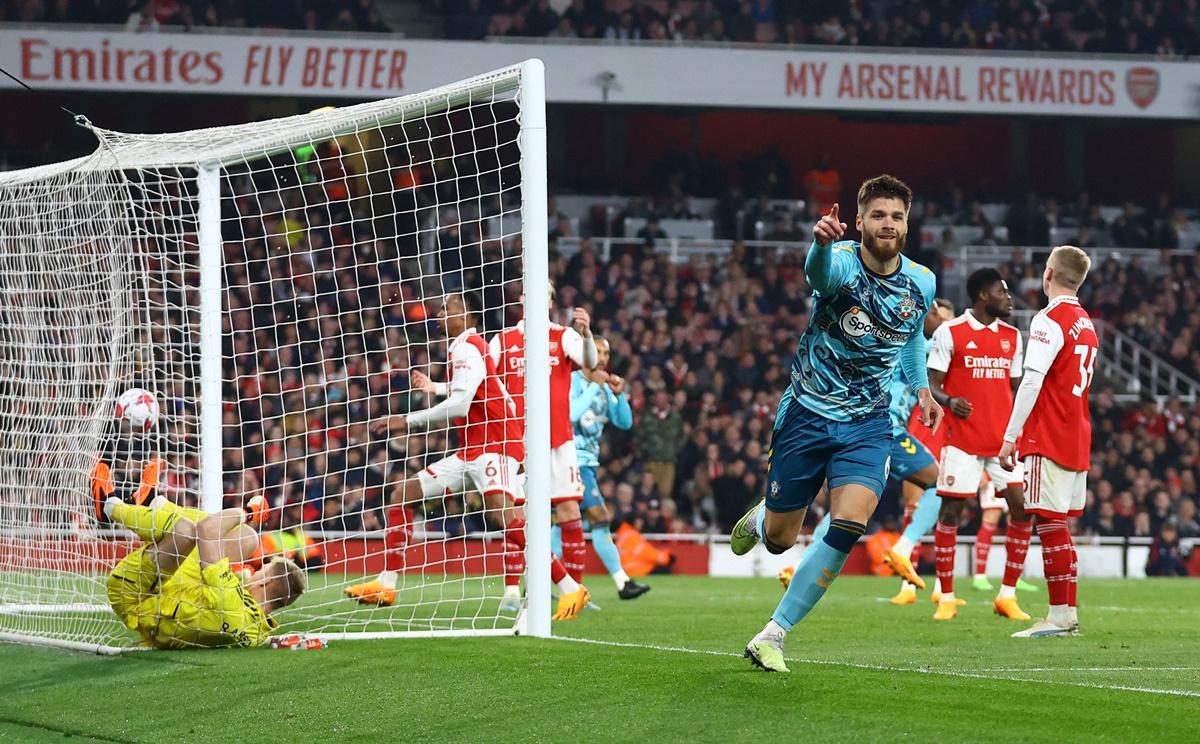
{"points": [[885, 253]]}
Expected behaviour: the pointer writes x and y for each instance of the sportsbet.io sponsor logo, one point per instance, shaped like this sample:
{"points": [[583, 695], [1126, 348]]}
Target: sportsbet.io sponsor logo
{"points": [[856, 323]]}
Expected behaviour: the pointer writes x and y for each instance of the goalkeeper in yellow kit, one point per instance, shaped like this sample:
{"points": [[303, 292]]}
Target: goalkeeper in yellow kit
{"points": [[177, 591]]}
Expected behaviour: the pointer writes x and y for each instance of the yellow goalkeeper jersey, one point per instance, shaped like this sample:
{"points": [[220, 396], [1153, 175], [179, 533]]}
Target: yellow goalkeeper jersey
{"points": [[205, 608]]}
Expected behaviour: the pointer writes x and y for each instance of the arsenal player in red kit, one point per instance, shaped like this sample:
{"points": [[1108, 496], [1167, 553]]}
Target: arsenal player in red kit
{"points": [[1051, 428], [571, 348], [974, 364]]}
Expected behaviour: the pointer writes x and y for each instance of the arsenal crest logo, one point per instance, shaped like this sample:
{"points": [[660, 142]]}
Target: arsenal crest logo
{"points": [[1142, 85], [1005, 345]]}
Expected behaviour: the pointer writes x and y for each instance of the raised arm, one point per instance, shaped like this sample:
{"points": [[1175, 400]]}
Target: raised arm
{"points": [[620, 413], [826, 266], [583, 394], [578, 343]]}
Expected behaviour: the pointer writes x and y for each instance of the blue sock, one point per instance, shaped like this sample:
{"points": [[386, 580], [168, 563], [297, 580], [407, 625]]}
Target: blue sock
{"points": [[924, 517], [822, 528], [818, 568], [556, 540], [603, 544]]}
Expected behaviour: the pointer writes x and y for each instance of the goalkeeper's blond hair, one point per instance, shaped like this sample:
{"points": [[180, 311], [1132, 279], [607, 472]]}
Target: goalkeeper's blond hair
{"points": [[296, 581]]}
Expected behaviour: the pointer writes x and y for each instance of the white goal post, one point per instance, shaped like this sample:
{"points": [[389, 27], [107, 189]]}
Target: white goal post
{"points": [[275, 284]]}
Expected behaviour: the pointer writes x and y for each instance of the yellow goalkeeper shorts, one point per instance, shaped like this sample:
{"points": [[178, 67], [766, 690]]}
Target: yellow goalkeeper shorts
{"points": [[132, 581]]}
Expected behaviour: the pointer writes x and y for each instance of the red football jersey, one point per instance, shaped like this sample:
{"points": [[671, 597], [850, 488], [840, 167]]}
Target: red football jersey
{"points": [[566, 356], [979, 361], [491, 424], [1062, 345]]}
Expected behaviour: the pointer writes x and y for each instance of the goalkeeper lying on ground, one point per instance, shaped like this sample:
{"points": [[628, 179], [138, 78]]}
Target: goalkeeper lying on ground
{"points": [[177, 591]]}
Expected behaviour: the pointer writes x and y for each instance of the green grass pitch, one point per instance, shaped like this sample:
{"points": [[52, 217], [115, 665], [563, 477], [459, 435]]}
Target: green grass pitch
{"points": [[666, 668]]}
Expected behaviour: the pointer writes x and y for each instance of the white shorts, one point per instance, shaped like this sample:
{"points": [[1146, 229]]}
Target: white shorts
{"points": [[960, 473], [1053, 491], [565, 482], [489, 473], [990, 498]]}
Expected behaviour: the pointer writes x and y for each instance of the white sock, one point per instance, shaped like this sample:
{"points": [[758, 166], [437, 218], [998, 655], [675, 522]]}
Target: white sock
{"points": [[773, 631], [157, 502], [1007, 592], [947, 597], [1060, 615], [907, 587], [388, 579], [512, 591], [903, 546], [981, 576], [109, 504], [621, 579], [568, 585]]}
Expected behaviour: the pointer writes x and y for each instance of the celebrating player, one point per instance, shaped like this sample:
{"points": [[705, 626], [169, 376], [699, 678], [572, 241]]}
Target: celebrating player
{"points": [[177, 590], [597, 398], [491, 448], [1051, 421], [974, 365], [832, 424], [911, 464], [570, 349]]}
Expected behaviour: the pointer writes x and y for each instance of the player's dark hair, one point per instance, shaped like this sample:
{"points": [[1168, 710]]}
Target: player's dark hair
{"points": [[472, 304], [980, 280], [883, 187]]}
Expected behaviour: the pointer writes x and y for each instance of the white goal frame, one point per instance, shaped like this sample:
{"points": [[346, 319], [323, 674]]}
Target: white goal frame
{"points": [[120, 153]]}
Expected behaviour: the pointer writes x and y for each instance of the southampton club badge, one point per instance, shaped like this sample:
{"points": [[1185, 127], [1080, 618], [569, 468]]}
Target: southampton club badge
{"points": [[774, 489], [908, 308]]}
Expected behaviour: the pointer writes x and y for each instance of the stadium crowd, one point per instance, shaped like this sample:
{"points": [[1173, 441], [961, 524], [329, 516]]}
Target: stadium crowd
{"points": [[1164, 27], [325, 328], [151, 15]]}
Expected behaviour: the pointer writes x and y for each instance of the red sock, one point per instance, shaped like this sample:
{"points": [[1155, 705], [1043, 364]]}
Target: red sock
{"points": [[983, 546], [945, 540], [517, 537], [514, 552], [1056, 555], [1074, 583], [574, 549], [395, 538], [1016, 547]]}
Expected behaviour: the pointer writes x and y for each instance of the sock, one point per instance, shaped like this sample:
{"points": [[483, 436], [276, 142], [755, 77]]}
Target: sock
{"points": [[772, 631], [602, 543], [907, 518], [1016, 548], [514, 553], [760, 521], [983, 546], [395, 541], [161, 502], [924, 517], [1056, 555], [945, 539], [822, 529], [151, 525], [1007, 592], [566, 584], [574, 549], [387, 577], [556, 539], [818, 568], [903, 546], [1073, 585]]}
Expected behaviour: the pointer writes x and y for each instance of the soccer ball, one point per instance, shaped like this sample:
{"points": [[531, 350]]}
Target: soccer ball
{"points": [[139, 407]]}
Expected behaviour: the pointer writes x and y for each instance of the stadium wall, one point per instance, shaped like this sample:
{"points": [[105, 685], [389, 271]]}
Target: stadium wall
{"points": [[646, 74]]}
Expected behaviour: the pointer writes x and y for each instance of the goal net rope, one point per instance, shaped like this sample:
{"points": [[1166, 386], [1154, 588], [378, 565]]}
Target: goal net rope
{"points": [[275, 285]]}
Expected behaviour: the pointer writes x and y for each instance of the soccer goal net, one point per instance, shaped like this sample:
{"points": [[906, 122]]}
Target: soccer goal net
{"points": [[275, 285]]}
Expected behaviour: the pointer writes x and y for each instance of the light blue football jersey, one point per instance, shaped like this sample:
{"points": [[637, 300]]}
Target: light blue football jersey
{"points": [[592, 406], [902, 404], [844, 365]]}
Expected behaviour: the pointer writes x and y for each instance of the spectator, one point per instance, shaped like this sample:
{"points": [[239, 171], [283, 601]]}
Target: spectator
{"points": [[143, 18], [660, 437], [1166, 556], [823, 184]]}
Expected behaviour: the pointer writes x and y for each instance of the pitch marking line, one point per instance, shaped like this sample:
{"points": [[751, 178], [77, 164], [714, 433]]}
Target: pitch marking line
{"points": [[885, 668]]}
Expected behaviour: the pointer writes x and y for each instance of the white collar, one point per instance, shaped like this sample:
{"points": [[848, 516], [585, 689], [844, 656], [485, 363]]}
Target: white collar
{"points": [[977, 326], [1069, 299], [463, 336]]}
